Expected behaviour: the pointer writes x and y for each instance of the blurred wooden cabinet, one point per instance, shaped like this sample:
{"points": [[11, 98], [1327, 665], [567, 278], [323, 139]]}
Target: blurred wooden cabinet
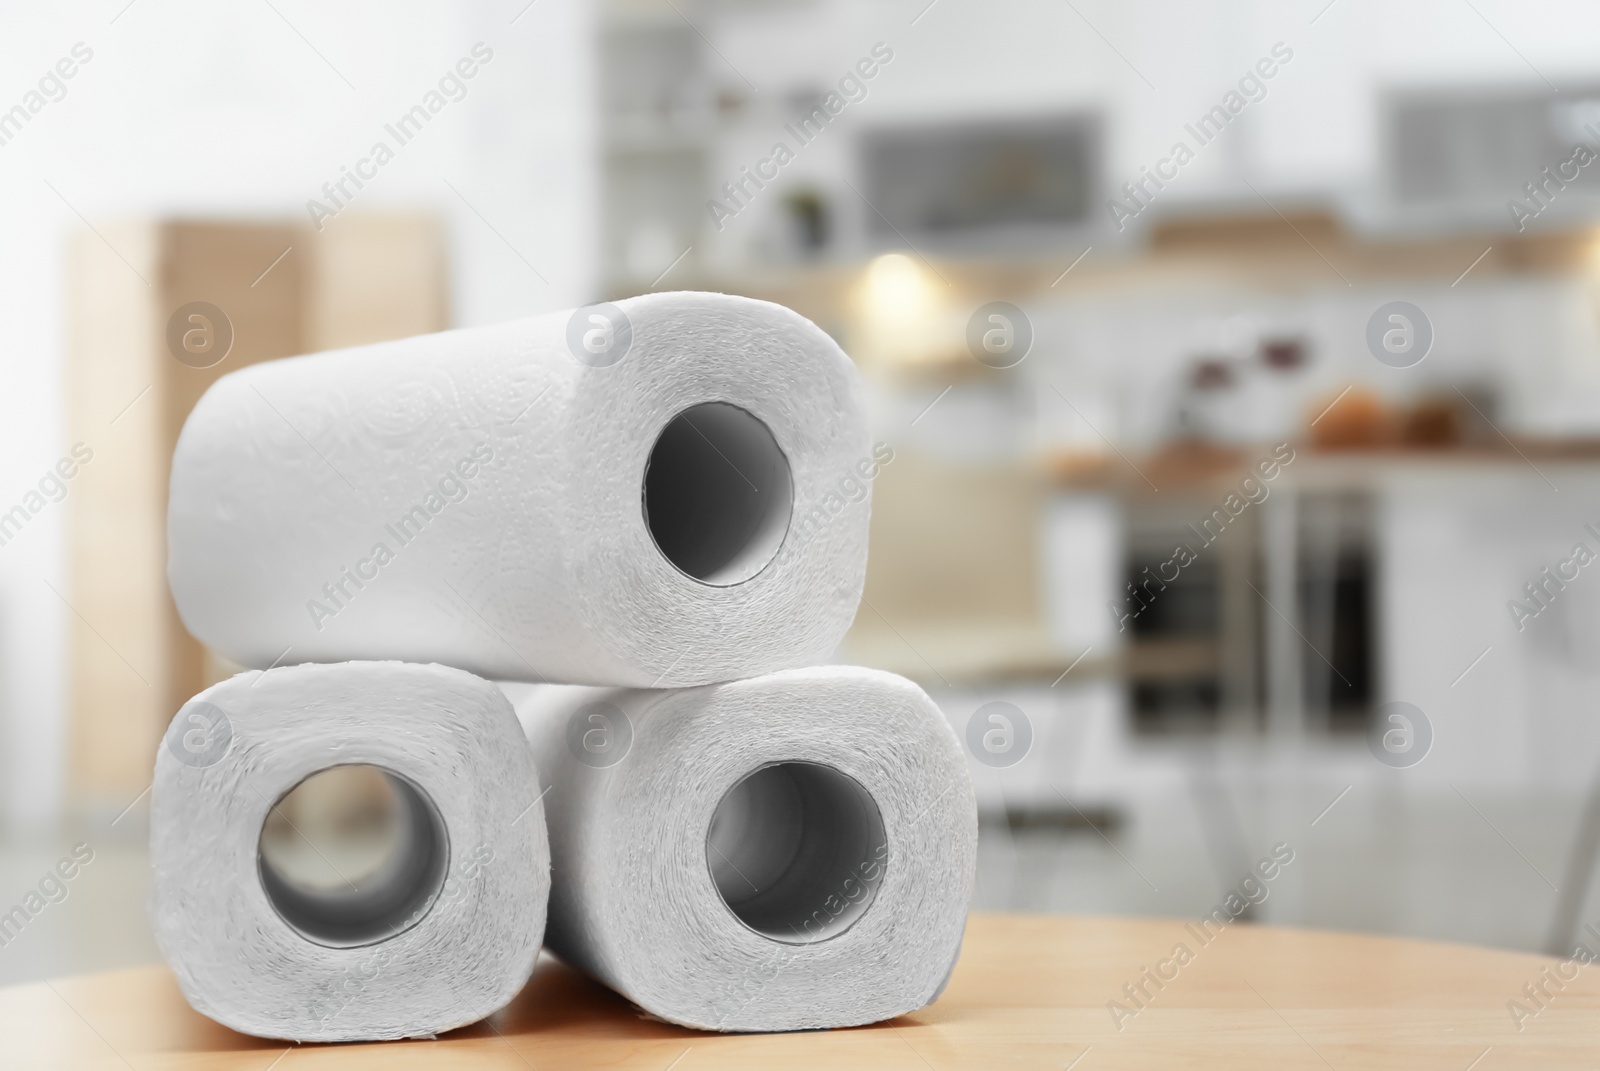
{"points": [[159, 310]]}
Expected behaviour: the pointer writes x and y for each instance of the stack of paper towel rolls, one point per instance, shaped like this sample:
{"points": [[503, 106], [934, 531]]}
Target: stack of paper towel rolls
{"points": [[666, 498]]}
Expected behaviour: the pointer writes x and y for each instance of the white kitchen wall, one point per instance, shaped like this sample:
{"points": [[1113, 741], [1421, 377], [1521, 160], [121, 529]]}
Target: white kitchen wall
{"points": [[199, 109]]}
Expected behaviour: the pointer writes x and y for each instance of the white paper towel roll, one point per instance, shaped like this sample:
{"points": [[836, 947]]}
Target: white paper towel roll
{"points": [[448, 928], [686, 506], [789, 852]]}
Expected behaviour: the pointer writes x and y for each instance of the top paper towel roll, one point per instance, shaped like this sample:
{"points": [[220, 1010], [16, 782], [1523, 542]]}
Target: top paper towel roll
{"points": [[668, 491]]}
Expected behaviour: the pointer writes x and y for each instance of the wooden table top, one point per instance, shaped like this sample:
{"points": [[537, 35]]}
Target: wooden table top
{"points": [[1031, 991]]}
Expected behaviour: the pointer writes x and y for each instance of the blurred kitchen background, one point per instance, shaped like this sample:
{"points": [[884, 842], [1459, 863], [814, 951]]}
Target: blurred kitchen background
{"points": [[1105, 265]]}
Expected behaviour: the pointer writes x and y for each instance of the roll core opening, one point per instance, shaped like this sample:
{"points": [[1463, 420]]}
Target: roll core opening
{"points": [[797, 851], [718, 494], [353, 855]]}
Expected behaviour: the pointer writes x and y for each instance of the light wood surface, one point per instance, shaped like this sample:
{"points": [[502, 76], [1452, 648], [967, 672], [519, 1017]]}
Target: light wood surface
{"points": [[1031, 991]]}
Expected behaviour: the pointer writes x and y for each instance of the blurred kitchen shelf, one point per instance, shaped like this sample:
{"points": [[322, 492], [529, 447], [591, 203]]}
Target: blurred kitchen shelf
{"points": [[1171, 658], [1102, 818], [646, 133], [1260, 250], [1202, 466], [972, 653]]}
